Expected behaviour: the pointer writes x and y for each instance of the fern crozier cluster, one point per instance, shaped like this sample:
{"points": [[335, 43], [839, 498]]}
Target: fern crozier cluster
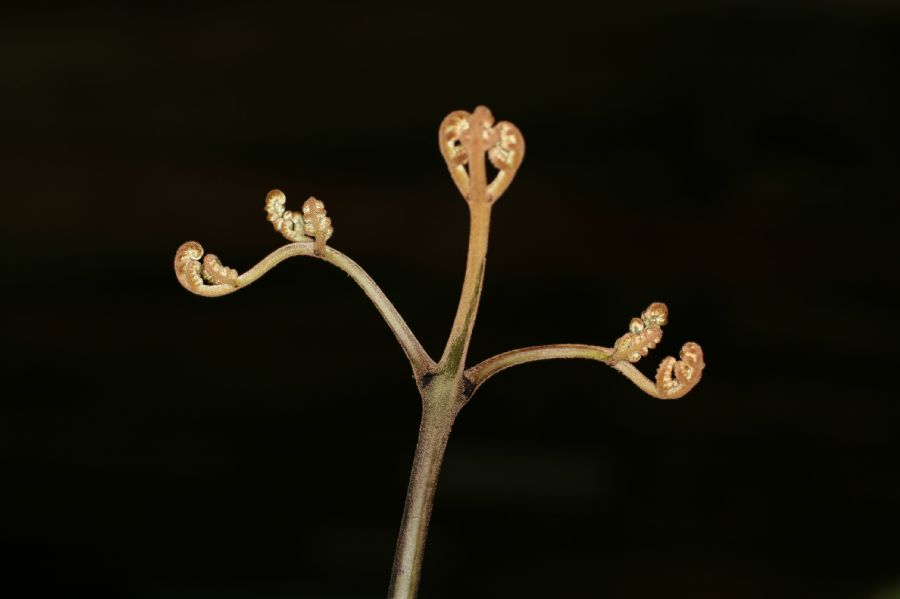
{"points": [[466, 141]]}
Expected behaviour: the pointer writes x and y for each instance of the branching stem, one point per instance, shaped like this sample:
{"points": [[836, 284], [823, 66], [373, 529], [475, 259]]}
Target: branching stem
{"points": [[466, 141], [418, 358], [481, 372], [457, 347], [445, 393]]}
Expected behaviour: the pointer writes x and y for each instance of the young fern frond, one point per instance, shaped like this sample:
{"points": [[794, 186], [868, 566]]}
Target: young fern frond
{"points": [[643, 334], [316, 224], [463, 137], [216, 273], [310, 229], [286, 222], [686, 371], [466, 141], [188, 268], [207, 277]]}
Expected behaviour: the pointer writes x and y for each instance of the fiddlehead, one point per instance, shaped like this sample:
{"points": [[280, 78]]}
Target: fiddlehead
{"points": [[686, 372], [188, 266], [194, 274], [643, 334], [674, 378], [316, 224], [286, 222], [217, 273], [506, 155], [310, 224], [503, 143], [455, 153]]}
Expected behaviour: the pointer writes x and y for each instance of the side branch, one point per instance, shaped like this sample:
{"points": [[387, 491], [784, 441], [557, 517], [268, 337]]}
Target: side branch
{"points": [[191, 274], [419, 359], [674, 378], [479, 373]]}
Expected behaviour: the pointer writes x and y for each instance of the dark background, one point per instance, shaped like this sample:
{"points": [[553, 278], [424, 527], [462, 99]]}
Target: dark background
{"points": [[736, 160]]}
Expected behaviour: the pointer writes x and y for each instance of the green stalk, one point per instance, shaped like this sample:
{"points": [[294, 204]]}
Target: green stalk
{"points": [[440, 405], [443, 394]]}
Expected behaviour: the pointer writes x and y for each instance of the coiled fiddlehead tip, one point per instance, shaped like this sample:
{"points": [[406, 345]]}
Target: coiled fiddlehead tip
{"points": [[675, 378], [188, 267], [506, 155], [643, 334], [316, 223], [456, 154], [503, 142], [286, 222], [656, 313], [217, 273], [194, 274]]}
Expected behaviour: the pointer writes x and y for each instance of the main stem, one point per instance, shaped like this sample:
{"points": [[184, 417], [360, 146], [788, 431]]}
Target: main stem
{"points": [[440, 404], [443, 394], [445, 390]]}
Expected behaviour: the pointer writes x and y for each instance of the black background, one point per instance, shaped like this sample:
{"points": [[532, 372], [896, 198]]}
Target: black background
{"points": [[735, 160]]}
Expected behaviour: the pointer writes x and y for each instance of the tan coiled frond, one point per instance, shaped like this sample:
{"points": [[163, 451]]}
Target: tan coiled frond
{"points": [[643, 334], [463, 134], [188, 266], [217, 273], [286, 222], [675, 378], [316, 223], [194, 274]]}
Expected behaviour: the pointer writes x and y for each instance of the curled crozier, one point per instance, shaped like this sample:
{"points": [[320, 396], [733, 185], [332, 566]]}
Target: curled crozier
{"points": [[506, 155], [286, 222], [643, 334], [462, 133], [217, 273], [316, 223], [202, 277], [675, 378], [188, 266], [454, 151]]}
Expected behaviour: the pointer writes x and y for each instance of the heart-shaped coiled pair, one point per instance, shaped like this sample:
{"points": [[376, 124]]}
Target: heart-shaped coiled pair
{"points": [[462, 135]]}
